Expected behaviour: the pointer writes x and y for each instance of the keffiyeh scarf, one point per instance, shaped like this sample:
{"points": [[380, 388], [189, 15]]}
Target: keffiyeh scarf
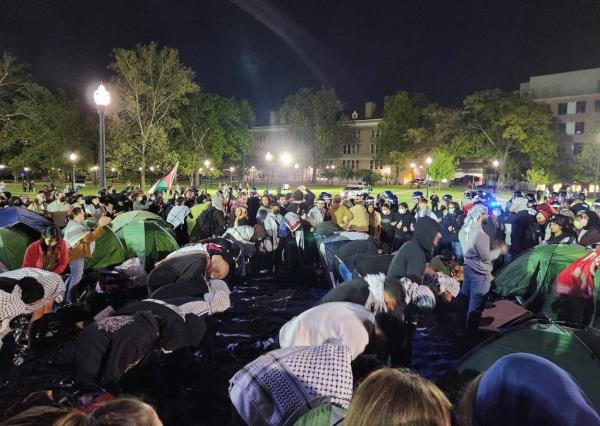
{"points": [[473, 216], [280, 386]]}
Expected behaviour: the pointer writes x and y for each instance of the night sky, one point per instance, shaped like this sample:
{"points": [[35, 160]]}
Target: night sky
{"points": [[265, 50]]}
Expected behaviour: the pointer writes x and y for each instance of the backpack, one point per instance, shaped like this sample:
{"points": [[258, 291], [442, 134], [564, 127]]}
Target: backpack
{"points": [[206, 222]]}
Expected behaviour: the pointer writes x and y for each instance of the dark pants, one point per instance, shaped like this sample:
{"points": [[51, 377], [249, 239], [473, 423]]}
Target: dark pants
{"points": [[181, 234]]}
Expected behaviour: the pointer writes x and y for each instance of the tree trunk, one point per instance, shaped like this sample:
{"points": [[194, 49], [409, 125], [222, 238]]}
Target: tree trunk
{"points": [[143, 174]]}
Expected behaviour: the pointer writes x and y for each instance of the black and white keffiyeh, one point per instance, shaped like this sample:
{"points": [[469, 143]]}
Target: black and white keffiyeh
{"points": [[280, 386], [54, 288]]}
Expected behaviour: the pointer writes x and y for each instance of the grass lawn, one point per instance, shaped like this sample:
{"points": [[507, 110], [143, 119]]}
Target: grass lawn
{"points": [[403, 192]]}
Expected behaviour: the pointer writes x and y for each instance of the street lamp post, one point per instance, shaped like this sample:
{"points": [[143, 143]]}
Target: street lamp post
{"points": [[102, 99], [428, 161], [73, 158], [206, 164], [231, 170], [269, 159], [296, 168], [496, 163]]}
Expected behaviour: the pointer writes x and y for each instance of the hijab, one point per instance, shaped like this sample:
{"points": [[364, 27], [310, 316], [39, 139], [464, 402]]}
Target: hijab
{"points": [[526, 389], [473, 216]]}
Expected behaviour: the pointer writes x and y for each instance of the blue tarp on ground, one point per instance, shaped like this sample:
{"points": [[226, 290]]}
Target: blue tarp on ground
{"points": [[10, 216]]}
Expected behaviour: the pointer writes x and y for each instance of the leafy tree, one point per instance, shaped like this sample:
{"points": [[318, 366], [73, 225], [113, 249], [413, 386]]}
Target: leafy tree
{"points": [[370, 177], [328, 174], [587, 164], [13, 84], [315, 121], [151, 85], [443, 165], [42, 129], [213, 127], [513, 129], [538, 177], [345, 172], [403, 136]]}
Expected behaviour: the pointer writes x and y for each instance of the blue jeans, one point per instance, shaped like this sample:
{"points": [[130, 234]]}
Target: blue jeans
{"points": [[457, 249], [76, 267], [476, 286], [345, 272]]}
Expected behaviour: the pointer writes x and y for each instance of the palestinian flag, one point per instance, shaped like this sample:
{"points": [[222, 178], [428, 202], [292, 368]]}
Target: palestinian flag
{"points": [[165, 183]]}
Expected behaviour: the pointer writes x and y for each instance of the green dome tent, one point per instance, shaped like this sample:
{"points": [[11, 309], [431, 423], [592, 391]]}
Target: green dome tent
{"points": [[149, 240], [530, 276], [575, 351], [137, 215], [196, 212], [108, 251], [13, 243]]}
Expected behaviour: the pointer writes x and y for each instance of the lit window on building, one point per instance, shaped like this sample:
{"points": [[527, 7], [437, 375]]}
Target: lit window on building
{"points": [[579, 127]]}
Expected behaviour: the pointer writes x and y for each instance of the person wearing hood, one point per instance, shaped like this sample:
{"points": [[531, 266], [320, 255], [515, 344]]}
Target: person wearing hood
{"points": [[526, 389], [520, 227], [478, 257], [588, 225], [81, 241], [412, 258]]}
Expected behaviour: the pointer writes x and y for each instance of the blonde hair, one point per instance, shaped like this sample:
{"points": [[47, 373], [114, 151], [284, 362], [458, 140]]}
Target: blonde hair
{"points": [[118, 412], [398, 397]]}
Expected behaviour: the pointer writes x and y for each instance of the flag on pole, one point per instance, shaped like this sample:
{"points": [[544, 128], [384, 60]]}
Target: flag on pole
{"points": [[165, 183]]}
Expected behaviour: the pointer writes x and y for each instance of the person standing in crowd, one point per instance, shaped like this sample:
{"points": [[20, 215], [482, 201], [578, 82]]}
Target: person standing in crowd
{"points": [[343, 215], [177, 217], [520, 227], [561, 231], [588, 225], [478, 258], [93, 208], [49, 253], [374, 221], [404, 226], [360, 217], [578, 204], [389, 220], [422, 210], [140, 203], [412, 258], [80, 241], [58, 208], [435, 201]]}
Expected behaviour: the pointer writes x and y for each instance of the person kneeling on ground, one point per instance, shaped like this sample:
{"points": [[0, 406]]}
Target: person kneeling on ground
{"points": [[282, 385], [336, 322]]}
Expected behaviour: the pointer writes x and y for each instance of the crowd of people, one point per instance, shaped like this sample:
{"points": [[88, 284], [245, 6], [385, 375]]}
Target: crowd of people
{"points": [[343, 358]]}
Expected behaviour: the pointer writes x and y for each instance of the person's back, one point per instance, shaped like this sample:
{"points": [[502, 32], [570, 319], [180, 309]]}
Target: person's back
{"points": [[337, 322], [360, 218]]}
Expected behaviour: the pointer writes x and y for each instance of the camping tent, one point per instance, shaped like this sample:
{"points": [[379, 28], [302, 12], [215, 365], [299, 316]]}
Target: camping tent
{"points": [[196, 212], [530, 275], [108, 250], [13, 243], [136, 215], [149, 240], [575, 351], [12, 216]]}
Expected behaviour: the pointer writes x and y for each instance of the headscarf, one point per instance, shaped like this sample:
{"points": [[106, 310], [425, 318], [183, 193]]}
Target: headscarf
{"points": [[473, 216], [520, 203], [526, 389]]}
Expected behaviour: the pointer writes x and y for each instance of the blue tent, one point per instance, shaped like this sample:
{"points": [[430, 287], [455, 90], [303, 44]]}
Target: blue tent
{"points": [[11, 216]]}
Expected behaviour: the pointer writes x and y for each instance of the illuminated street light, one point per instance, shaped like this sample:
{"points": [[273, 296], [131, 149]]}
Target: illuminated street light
{"points": [[296, 166], [112, 169], [206, 163], [73, 158], [286, 159], [496, 163], [428, 161], [152, 168], [2, 167], [269, 159], [102, 100], [26, 169]]}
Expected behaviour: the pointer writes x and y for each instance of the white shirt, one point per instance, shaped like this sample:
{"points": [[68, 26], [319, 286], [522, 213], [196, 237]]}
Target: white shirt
{"points": [[341, 323], [177, 215], [11, 305]]}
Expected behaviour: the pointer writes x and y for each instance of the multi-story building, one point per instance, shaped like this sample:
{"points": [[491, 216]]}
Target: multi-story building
{"points": [[574, 98], [360, 153]]}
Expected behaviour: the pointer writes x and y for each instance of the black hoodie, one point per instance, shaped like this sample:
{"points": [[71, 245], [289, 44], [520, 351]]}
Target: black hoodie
{"points": [[413, 256]]}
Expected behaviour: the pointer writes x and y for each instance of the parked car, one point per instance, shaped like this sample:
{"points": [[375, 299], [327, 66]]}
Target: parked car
{"points": [[351, 191]]}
